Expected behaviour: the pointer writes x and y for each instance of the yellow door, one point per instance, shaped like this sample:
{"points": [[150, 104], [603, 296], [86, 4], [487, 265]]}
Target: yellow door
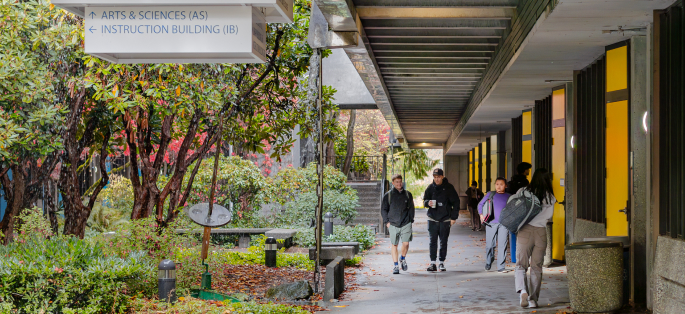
{"points": [[559, 172], [617, 147], [476, 160], [470, 167], [527, 143], [484, 168], [617, 168]]}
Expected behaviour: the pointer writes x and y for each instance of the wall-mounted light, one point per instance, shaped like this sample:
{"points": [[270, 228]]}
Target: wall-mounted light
{"points": [[644, 122], [573, 142]]}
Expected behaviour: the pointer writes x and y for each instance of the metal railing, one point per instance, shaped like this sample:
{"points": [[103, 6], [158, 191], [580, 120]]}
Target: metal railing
{"points": [[362, 168]]}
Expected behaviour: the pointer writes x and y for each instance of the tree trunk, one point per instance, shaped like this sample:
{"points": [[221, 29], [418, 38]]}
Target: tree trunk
{"points": [[14, 194], [51, 208], [350, 142]]}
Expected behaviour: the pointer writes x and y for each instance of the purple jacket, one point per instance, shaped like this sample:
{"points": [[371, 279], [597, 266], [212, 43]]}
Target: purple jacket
{"points": [[499, 202]]}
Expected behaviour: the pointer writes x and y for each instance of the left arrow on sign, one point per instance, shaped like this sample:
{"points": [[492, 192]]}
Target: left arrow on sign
{"points": [[91, 29], [92, 15]]}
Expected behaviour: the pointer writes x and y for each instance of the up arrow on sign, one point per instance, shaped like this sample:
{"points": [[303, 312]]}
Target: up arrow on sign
{"points": [[92, 15]]}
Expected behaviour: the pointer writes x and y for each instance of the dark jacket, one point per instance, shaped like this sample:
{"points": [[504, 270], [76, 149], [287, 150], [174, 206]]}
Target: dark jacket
{"points": [[399, 209], [446, 197], [474, 196], [517, 182]]}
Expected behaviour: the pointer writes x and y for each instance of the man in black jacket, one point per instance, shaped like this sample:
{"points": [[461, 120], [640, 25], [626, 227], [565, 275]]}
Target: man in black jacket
{"points": [[442, 202], [398, 212]]}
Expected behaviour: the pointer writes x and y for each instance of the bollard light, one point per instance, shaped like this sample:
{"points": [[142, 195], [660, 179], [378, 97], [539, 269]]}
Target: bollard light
{"points": [[167, 281], [328, 224], [270, 250]]}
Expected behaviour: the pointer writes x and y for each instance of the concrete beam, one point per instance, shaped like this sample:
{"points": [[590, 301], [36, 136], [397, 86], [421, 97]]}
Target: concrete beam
{"points": [[425, 145], [441, 12]]}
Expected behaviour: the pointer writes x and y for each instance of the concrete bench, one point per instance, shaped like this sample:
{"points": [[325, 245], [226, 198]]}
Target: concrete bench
{"points": [[330, 253], [243, 233], [335, 279], [355, 245], [282, 234]]}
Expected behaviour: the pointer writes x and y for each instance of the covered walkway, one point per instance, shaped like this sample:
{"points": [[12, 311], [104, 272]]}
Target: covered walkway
{"points": [[464, 288], [592, 91]]}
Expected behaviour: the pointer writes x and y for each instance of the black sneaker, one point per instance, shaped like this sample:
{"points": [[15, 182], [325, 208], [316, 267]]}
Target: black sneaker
{"points": [[404, 265], [396, 270], [442, 267], [432, 267], [487, 267]]}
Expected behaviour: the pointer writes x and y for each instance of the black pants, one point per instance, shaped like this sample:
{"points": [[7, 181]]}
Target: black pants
{"points": [[475, 218], [438, 230]]}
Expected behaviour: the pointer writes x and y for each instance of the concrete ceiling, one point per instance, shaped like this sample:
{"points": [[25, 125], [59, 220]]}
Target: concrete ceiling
{"points": [[568, 38], [431, 54]]}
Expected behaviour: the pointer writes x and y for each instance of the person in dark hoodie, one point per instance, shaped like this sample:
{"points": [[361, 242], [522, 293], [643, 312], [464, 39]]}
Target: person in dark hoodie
{"points": [[442, 202], [520, 179]]}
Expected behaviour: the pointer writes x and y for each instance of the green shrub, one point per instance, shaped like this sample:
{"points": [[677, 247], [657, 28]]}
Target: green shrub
{"points": [[360, 233], [68, 275], [355, 262], [195, 306], [31, 223], [295, 189], [113, 206]]}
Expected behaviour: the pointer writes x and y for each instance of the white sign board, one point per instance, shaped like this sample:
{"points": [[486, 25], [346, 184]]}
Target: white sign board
{"points": [[176, 34], [275, 11]]}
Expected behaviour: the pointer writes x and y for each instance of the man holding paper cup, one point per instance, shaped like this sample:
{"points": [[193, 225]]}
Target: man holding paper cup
{"points": [[442, 202]]}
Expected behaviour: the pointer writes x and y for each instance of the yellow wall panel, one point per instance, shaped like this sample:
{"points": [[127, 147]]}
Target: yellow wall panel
{"points": [[558, 173], [476, 162], [527, 123], [617, 69], [617, 180], [526, 155], [484, 169], [470, 166]]}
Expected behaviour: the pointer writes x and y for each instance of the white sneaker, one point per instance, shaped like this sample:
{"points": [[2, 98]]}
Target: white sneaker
{"points": [[533, 304], [524, 299]]}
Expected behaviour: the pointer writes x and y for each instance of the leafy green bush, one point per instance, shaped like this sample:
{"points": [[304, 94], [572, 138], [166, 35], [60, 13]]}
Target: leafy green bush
{"points": [[195, 306], [238, 181], [68, 275], [360, 233], [295, 189], [31, 223], [113, 206]]}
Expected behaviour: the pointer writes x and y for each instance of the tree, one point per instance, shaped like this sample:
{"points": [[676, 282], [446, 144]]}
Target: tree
{"points": [[34, 38], [350, 142], [171, 112]]}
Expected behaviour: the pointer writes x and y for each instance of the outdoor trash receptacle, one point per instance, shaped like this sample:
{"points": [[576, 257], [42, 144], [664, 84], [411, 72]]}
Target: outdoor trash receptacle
{"points": [[626, 261], [595, 276]]}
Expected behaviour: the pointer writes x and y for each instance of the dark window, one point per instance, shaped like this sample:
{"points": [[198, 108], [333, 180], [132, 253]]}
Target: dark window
{"points": [[672, 115], [589, 141], [543, 133], [516, 142]]}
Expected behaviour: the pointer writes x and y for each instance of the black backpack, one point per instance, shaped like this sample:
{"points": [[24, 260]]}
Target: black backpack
{"points": [[520, 210]]}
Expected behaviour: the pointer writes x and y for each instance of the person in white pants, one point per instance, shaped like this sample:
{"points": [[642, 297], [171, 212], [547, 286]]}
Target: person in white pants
{"points": [[531, 240]]}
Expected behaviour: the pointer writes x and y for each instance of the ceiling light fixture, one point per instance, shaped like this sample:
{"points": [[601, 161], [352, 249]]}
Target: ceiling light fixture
{"points": [[624, 30], [552, 81]]}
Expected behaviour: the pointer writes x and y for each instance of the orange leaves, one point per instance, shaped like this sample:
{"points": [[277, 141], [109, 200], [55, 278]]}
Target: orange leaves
{"points": [[178, 91], [115, 91]]}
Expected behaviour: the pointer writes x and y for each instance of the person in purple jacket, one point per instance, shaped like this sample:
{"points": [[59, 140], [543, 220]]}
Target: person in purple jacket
{"points": [[495, 233]]}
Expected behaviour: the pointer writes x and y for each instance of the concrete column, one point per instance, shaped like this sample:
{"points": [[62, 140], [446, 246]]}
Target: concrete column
{"points": [[570, 162], [509, 149], [638, 146]]}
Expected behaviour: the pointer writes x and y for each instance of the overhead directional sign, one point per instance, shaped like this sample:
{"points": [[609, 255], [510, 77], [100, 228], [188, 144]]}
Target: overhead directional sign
{"points": [[275, 11], [176, 34]]}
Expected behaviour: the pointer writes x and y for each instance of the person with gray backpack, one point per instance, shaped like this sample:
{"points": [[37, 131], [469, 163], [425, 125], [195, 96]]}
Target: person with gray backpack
{"points": [[496, 235], [398, 213], [527, 214]]}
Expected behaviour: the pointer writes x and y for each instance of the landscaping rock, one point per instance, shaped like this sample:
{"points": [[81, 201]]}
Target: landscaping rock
{"points": [[241, 296], [298, 290]]}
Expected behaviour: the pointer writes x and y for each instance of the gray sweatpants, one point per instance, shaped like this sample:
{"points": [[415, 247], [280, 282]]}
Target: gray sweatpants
{"points": [[531, 243], [496, 236]]}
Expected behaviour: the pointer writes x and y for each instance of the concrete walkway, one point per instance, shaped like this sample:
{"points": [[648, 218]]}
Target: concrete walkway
{"points": [[464, 288]]}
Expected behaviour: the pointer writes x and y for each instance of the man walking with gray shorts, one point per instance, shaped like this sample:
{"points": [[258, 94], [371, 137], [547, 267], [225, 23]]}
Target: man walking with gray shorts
{"points": [[398, 212]]}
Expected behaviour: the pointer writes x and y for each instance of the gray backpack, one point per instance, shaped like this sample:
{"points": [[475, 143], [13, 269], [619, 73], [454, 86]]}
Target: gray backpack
{"points": [[488, 211], [521, 209]]}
